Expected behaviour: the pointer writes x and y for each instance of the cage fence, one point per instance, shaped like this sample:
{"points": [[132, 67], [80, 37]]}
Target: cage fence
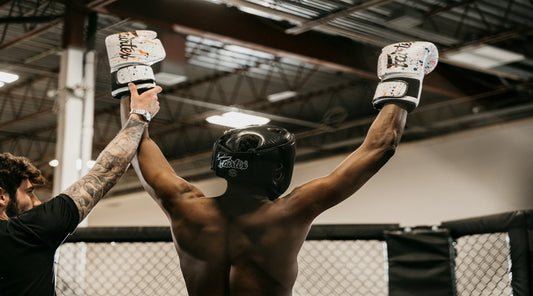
{"points": [[110, 268], [335, 260], [483, 264]]}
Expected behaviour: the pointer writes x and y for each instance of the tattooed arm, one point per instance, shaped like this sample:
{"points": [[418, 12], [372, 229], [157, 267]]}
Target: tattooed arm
{"points": [[115, 158], [108, 169]]}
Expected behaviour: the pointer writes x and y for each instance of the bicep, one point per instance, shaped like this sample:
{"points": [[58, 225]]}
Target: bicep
{"points": [[172, 192], [378, 147], [166, 187], [318, 195]]}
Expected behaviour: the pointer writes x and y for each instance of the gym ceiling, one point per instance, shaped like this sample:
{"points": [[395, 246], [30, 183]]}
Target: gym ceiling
{"points": [[235, 53]]}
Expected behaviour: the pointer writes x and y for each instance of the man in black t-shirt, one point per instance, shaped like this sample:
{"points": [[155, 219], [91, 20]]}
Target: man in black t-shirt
{"points": [[30, 232]]}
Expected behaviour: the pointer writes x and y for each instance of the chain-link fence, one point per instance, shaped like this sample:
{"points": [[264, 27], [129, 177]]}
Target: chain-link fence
{"points": [[342, 268], [119, 269], [127, 269], [329, 265], [483, 265]]}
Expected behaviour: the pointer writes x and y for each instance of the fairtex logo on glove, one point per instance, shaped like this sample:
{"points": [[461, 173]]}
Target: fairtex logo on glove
{"points": [[398, 58], [126, 44], [226, 162]]}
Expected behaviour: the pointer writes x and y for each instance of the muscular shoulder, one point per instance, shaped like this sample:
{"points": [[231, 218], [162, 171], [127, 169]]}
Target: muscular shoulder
{"points": [[305, 200], [178, 197]]}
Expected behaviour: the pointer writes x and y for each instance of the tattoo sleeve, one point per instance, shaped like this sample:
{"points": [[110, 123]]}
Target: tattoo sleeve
{"points": [[108, 168]]}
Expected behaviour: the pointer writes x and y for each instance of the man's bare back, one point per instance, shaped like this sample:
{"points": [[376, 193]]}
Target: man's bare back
{"points": [[229, 248]]}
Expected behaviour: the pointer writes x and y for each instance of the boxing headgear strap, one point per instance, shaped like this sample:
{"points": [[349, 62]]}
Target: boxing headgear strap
{"points": [[262, 155]]}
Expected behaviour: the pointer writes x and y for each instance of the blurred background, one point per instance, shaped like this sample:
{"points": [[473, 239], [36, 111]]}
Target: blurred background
{"points": [[309, 66]]}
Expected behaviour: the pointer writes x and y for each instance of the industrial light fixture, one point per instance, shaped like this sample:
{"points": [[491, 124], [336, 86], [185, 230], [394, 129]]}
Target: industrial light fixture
{"points": [[237, 119], [169, 79], [284, 95], [7, 78], [483, 56]]}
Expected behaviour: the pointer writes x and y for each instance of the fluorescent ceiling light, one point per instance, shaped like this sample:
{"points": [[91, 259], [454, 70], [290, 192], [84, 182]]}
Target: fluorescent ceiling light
{"points": [[484, 56], [281, 95], [8, 77], [259, 13], [169, 79], [237, 119], [1, 84]]}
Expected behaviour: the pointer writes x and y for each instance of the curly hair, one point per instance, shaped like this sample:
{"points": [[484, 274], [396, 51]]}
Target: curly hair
{"points": [[15, 169]]}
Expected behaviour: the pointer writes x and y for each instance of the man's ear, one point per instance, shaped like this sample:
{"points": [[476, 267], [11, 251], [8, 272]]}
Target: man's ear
{"points": [[4, 197]]}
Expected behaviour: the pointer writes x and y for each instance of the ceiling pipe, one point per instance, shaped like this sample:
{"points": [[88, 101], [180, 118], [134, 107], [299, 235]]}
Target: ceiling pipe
{"points": [[345, 12], [380, 42], [296, 19]]}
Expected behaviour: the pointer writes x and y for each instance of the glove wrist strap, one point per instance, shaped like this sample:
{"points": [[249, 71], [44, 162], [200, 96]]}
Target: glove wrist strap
{"points": [[400, 90], [141, 75]]}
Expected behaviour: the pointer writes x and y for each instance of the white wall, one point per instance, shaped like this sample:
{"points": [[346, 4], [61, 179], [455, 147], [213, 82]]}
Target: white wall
{"points": [[474, 173]]}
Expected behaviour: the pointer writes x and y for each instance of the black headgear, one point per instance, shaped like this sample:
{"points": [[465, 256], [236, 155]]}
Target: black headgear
{"points": [[261, 155]]}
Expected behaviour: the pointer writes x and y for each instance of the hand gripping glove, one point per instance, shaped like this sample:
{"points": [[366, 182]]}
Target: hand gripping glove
{"points": [[130, 56], [401, 68]]}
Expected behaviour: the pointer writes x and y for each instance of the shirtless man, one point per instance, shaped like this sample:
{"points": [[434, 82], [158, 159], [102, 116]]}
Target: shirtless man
{"points": [[246, 241]]}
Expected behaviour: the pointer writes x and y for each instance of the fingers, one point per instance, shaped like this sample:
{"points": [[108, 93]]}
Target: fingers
{"points": [[154, 91], [155, 105], [133, 89]]}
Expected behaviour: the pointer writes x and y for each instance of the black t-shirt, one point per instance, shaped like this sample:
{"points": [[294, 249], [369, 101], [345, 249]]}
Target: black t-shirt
{"points": [[28, 243]]}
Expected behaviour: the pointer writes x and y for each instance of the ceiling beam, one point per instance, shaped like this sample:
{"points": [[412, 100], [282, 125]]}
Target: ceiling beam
{"points": [[343, 13], [230, 25], [73, 30], [30, 34]]}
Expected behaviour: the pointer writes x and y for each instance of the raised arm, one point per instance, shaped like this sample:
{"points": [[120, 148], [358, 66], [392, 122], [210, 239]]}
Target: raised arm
{"points": [[155, 173], [131, 55], [115, 158], [401, 68], [379, 146]]}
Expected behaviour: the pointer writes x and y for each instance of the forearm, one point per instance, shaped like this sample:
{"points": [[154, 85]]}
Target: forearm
{"points": [[379, 146], [152, 162], [108, 168], [125, 109], [136, 166], [387, 129]]}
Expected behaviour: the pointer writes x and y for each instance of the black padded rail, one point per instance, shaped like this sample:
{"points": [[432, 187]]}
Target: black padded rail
{"points": [[163, 234]]}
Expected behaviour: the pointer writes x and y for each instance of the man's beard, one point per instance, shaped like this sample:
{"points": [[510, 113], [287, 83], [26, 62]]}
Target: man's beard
{"points": [[12, 208]]}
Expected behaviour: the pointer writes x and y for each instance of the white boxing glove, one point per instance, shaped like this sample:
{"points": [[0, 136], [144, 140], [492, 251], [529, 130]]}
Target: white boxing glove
{"points": [[130, 55], [401, 68]]}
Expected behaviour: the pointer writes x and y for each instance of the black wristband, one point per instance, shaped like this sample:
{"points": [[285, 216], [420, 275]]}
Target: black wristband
{"points": [[141, 75]]}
